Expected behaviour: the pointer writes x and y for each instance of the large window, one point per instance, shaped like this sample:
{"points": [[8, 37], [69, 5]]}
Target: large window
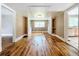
{"points": [[73, 26], [73, 21], [39, 24]]}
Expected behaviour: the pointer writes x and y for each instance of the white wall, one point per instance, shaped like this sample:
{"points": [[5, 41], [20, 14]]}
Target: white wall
{"points": [[60, 24], [19, 24]]}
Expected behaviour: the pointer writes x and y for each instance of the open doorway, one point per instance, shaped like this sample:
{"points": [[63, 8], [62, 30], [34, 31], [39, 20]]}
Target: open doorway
{"points": [[39, 26]]}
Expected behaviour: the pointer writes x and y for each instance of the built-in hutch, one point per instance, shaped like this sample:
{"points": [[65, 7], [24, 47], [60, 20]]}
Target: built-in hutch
{"points": [[7, 26]]}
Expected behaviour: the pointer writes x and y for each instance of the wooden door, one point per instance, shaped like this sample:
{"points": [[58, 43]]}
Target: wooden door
{"points": [[54, 25], [25, 25]]}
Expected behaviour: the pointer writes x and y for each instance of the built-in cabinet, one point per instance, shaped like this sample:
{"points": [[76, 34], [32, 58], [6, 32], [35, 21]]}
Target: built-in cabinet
{"points": [[7, 23], [71, 28]]}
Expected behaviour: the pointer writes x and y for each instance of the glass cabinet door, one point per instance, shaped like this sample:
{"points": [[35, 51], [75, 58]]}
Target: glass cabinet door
{"points": [[73, 27]]}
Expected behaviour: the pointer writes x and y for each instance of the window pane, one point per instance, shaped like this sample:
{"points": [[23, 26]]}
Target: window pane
{"points": [[36, 24], [39, 24], [73, 21]]}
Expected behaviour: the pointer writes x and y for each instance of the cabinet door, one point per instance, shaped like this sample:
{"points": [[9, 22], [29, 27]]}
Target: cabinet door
{"points": [[0, 30], [73, 28]]}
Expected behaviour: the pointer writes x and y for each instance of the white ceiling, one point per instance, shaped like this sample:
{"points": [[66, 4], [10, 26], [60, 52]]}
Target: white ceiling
{"points": [[5, 11], [74, 11], [50, 6], [45, 8]]}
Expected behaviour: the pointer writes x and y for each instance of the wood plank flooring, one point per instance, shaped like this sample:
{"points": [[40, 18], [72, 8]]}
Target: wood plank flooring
{"points": [[39, 45]]}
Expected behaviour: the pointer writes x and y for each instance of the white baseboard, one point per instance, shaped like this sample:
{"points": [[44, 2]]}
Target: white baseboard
{"points": [[20, 37], [59, 37], [63, 39]]}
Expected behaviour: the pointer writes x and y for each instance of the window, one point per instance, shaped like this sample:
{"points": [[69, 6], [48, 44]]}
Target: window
{"points": [[73, 26], [73, 21], [39, 24]]}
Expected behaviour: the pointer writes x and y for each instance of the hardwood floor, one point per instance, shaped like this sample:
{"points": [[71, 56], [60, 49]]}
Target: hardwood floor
{"points": [[39, 45]]}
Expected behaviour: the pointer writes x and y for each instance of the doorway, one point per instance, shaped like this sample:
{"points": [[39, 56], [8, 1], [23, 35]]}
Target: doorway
{"points": [[25, 25], [39, 26]]}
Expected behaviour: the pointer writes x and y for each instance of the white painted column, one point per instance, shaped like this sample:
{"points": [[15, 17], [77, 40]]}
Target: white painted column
{"points": [[29, 27], [14, 27], [65, 26], [49, 25]]}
